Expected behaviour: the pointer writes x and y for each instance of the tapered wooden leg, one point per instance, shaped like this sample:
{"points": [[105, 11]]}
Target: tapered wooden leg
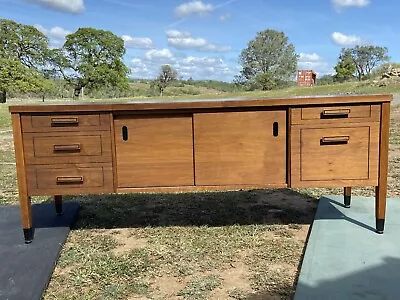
{"points": [[58, 204], [381, 189], [380, 207], [24, 199], [347, 197], [26, 216]]}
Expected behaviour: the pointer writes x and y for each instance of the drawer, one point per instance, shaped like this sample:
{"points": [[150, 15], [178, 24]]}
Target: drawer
{"points": [[323, 156], [336, 114], [70, 179], [67, 147], [65, 122]]}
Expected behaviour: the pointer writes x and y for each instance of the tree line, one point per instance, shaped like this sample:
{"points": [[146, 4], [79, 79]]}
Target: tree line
{"points": [[93, 59]]}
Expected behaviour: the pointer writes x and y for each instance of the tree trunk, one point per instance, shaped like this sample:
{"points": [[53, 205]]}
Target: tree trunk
{"points": [[3, 96], [161, 92], [77, 91]]}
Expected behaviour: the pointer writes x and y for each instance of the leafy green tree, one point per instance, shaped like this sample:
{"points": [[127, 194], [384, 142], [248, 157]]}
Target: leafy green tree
{"points": [[345, 68], [166, 76], [23, 52], [326, 79], [15, 77], [266, 81], [268, 53], [366, 58], [91, 58]]}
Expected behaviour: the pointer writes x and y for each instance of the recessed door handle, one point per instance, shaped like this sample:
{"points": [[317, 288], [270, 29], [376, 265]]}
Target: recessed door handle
{"points": [[124, 133], [275, 129]]}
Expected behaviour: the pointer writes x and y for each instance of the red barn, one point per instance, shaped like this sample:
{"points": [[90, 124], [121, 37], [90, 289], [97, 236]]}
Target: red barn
{"points": [[306, 78]]}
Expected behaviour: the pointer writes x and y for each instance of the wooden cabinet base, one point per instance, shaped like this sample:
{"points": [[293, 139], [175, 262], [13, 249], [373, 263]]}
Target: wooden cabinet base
{"points": [[221, 144]]}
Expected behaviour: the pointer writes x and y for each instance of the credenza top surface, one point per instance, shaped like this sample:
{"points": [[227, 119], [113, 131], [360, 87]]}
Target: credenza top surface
{"points": [[172, 104]]}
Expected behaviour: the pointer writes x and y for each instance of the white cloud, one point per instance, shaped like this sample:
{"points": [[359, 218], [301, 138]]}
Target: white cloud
{"points": [[356, 3], [309, 57], [191, 66], [193, 8], [163, 55], [69, 6], [137, 42], [346, 40], [56, 34], [312, 61], [184, 40], [341, 4], [225, 17]]}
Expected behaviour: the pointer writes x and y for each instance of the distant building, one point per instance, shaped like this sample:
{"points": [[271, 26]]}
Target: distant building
{"points": [[306, 78]]}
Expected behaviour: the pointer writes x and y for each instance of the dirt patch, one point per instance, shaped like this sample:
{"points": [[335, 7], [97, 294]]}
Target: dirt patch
{"points": [[168, 286], [234, 278]]}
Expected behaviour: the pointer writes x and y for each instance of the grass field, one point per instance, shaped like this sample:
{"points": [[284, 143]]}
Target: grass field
{"points": [[228, 245]]}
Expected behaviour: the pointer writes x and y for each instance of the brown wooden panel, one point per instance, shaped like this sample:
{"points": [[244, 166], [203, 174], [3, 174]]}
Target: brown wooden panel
{"points": [[65, 122], [240, 148], [158, 151], [154, 105], [70, 179], [336, 114], [67, 147], [335, 156]]}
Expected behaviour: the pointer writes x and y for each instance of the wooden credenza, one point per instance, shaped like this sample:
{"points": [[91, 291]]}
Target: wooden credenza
{"points": [[213, 144]]}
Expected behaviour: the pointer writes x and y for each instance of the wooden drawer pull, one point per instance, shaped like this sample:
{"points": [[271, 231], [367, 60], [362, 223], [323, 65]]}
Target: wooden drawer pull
{"points": [[334, 140], [335, 113], [64, 121], [69, 147], [69, 179]]}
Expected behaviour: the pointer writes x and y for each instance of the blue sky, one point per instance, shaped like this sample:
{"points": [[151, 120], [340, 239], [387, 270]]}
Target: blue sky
{"points": [[203, 39]]}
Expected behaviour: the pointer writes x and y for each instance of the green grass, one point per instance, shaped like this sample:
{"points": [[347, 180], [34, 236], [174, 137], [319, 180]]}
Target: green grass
{"points": [[5, 117]]}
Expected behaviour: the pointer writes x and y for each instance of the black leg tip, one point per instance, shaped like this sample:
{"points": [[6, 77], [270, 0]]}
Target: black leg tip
{"points": [[347, 201], [59, 209], [28, 234], [380, 225]]}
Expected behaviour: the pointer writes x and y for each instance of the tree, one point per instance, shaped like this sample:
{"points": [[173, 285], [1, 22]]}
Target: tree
{"points": [[345, 68], [23, 42], [14, 76], [266, 81], [166, 76], [269, 53], [23, 53], [91, 58], [326, 79], [366, 58]]}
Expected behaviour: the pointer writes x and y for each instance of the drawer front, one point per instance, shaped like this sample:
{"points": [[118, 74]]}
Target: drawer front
{"points": [[65, 122], [67, 147], [323, 156], [70, 179], [336, 114]]}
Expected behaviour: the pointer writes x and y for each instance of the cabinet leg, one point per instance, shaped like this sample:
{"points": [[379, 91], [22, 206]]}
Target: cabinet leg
{"points": [[347, 197], [26, 216], [58, 204], [380, 207]]}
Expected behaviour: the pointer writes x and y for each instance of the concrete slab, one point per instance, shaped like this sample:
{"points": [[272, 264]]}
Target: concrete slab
{"points": [[25, 270], [345, 258]]}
